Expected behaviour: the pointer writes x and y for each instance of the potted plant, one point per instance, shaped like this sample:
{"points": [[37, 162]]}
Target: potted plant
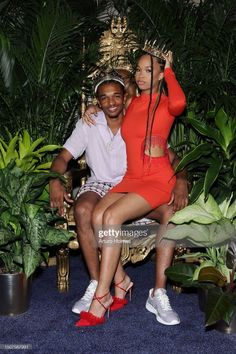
{"points": [[27, 224], [211, 226], [27, 227]]}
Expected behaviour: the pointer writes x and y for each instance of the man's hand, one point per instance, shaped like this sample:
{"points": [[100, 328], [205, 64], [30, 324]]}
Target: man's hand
{"points": [[179, 196], [58, 195]]}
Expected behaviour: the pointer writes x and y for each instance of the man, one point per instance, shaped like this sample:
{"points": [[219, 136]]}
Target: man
{"points": [[105, 155]]}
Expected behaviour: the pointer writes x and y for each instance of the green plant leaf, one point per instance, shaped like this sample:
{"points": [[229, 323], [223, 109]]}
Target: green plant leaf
{"points": [[202, 235], [212, 275], [11, 152], [22, 150], [26, 140], [204, 212], [208, 131], [44, 166], [3, 156], [181, 272], [48, 148], [35, 144], [36, 227], [196, 190], [231, 212], [6, 236], [202, 149], [193, 213], [224, 206], [31, 259], [54, 236], [210, 205], [220, 306], [5, 196], [25, 185], [211, 175], [205, 263], [31, 210], [222, 122]]}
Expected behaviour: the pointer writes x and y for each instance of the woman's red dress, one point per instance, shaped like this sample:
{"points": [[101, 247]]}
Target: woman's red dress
{"points": [[152, 178]]}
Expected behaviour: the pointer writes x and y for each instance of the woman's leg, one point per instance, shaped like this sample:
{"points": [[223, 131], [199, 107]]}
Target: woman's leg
{"points": [[126, 207], [83, 210], [164, 248], [158, 301]]}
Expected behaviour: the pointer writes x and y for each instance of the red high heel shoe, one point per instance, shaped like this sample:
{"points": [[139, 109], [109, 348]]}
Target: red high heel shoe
{"points": [[119, 303], [87, 319]]}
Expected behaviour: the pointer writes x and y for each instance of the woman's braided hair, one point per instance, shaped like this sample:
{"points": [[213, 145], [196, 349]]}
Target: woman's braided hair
{"points": [[151, 113]]}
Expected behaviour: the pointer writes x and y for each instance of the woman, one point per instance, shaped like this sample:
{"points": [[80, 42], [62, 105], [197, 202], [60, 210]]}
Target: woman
{"points": [[149, 179]]}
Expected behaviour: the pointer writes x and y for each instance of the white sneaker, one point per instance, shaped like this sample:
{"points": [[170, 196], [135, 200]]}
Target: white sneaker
{"points": [[159, 304], [84, 303]]}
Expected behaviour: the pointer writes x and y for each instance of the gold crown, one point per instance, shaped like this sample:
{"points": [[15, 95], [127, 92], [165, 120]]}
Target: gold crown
{"points": [[153, 49]]}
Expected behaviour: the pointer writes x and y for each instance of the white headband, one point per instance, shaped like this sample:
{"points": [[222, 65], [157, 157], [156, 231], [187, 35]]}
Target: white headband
{"points": [[108, 78]]}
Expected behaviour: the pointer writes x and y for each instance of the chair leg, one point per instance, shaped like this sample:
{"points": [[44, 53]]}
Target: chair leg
{"points": [[63, 269]]}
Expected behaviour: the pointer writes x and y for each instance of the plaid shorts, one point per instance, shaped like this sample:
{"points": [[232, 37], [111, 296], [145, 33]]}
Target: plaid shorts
{"points": [[101, 188]]}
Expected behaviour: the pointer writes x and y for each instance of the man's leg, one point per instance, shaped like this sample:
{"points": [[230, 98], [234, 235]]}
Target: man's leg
{"points": [[83, 209], [83, 217]]}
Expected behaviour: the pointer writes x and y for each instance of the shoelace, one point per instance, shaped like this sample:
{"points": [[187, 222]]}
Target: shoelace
{"points": [[164, 300], [89, 292]]}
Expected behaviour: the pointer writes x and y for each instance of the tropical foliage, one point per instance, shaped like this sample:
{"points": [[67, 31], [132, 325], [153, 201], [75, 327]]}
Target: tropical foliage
{"points": [[210, 226], [28, 155], [27, 225], [220, 293], [205, 223], [48, 48], [211, 164], [202, 38], [44, 58]]}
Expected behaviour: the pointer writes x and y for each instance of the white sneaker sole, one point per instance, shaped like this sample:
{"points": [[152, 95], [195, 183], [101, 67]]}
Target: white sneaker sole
{"points": [[152, 309], [77, 312]]}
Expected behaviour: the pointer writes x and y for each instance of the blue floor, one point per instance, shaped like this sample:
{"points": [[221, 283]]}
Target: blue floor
{"points": [[48, 326]]}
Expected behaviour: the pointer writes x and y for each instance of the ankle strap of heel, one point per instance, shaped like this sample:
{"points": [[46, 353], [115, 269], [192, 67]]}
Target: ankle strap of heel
{"points": [[98, 298], [117, 285]]}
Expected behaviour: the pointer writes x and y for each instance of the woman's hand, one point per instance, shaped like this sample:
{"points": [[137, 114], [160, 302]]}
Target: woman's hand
{"points": [[87, 116], [179, 197], [168, 58]]}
